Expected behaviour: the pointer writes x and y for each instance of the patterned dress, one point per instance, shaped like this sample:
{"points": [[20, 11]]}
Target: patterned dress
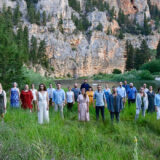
{"points": [[14, 99], [83, 115]]}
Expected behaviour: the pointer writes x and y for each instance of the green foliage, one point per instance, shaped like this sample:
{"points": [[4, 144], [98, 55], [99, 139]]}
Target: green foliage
{"points": [[130, 51], [60, 24], [142, 55], [117, 71], [101, 6], [158, 51], [131, 76], [44, 18], [153, 66], [147, 30], [99, 27], [130, 26], [75, 4], [16, 15], [81, 24], [12, 56], [145, 75], [155, 14], [137, 56]]}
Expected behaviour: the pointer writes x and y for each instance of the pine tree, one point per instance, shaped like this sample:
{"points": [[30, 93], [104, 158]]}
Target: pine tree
{"points": [[142, 55], [130, 56], [16, 15], [26, 40], [44, 18], [158, 51], [147, 27], [33, 50], [38, 18]]}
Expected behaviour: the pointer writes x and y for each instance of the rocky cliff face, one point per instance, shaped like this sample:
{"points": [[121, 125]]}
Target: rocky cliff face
{"points": [[78, 54]]}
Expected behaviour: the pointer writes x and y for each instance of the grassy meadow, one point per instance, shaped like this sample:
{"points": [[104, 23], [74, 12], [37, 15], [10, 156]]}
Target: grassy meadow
{"points": [[21, 137]]}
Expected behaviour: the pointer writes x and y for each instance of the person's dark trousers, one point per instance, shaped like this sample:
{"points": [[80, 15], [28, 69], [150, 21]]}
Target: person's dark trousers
{"points": [[131, 101], [50, 101], [69, 106], [112, 116], [100, 108]]}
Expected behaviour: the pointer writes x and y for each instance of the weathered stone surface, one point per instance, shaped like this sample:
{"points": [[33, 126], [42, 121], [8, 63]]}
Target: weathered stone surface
{"points": [[76, 54]]}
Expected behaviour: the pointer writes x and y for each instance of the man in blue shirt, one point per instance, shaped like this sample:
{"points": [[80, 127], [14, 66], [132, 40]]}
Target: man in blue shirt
{"points": [[76, 91], [131, 93], [122, 92], [99, 99], [59, 99], [85, 85], [125, 85]]}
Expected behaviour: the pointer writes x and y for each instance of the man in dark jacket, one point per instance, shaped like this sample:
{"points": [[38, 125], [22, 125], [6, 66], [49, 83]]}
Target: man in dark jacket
{"points": [[85, 85], [115, 104]]}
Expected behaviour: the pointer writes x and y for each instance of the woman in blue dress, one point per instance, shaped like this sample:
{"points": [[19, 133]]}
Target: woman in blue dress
{"points": [[14, 96]]}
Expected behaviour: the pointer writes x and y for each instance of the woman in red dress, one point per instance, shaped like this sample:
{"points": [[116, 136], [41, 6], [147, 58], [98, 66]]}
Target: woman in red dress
{"points": [[26, 98]]}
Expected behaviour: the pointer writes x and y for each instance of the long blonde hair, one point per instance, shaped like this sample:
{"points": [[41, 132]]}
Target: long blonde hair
{"points": [[1, 86]]}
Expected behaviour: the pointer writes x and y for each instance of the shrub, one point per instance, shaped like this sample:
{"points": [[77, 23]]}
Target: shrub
{"points": [[153, 66], [145, 75], [117, 71]]}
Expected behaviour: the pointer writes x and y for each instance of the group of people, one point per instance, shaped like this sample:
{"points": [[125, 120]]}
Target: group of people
{"points": [[42, 99]]}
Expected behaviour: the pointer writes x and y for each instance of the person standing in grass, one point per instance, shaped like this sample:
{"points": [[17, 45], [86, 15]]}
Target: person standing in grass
{"points": [[26, 98], [107, 92], [14, 96], [69, 99], [145, 88], [50, 91], [126, 86], [59, 99], [141, 103], [43, 104], [151, 96], [83, 106], [122, 92], [115, 104], [34, 93], [76, 91], [100, 100], [85, 85], [157, 103], [90, 94], [3, 102], [131, 93]]}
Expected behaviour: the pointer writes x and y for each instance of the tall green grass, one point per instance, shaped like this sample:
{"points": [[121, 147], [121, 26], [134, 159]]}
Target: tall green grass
{"points": [[21, 137]]}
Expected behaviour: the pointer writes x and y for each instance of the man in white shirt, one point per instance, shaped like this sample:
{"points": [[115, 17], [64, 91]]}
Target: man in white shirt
{"points": [[145, 88], [50, 91], [122, 92]]}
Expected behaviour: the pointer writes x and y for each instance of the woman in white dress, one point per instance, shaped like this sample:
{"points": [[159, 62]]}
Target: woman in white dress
{"points": [[3, 102], [43, 104], [83, 106], [34, 93]]}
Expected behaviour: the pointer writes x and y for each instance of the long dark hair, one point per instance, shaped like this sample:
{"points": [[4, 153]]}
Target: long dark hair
{"points": [[85, 95], [43, 86]]}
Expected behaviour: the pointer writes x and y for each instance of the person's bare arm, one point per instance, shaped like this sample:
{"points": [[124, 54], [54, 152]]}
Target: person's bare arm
{"points": [[47, 99]]}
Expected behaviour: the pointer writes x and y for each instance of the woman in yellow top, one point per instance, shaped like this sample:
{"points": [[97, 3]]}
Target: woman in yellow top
{"points": [[90, 94]]}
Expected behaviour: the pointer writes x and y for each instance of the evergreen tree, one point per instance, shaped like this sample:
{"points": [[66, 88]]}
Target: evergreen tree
{"points": [[147, 27], [158, 51], [33, 50], [38, 18], [129, 56], [26, 40], [44, 18], [16, 15], [99, 27], [142, 55]]}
